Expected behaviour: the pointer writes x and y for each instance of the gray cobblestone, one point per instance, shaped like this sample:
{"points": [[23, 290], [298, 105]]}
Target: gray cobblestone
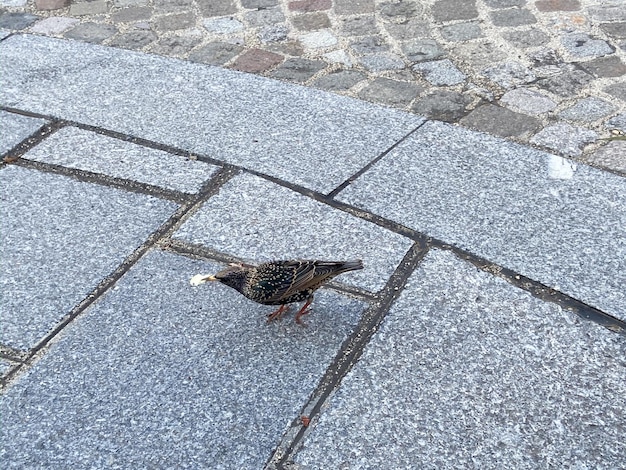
{"points": [[618, 90], [411, 29], [616, 30], [500, 121], [91, 32], [353, 7], [250, 4], [612, 155], [505, 3], [133, 39], [370, 45], [298, 69], [567, 83], [512, 17], [448, 10], [89, 8], [422, 49], [400, 10], [17, 20], [359, 25], [588, 110], [442, 105], [610, 66], [264, 17], [564, 138], [392, 92], [213, 8], [172, 6], [176, 45], [174, 22], [216, 53], [380, 62], [618, 122], [461, 32], [54, 25], [509, 74], [273, 33], [222, 25], [532, 37], [131, 14], [527, 101], [339, 80], [583, 45], [440, 72]]}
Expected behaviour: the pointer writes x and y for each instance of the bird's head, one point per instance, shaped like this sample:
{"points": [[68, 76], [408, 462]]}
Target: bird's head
{"points": [[233, 276]]}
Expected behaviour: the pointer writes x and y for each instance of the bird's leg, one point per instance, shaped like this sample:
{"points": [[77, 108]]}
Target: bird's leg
{"points": [[303, 311], [277, 313]]}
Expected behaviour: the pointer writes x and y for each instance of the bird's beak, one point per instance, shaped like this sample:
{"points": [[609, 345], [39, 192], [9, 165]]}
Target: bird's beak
{"points": [[201, 279]]}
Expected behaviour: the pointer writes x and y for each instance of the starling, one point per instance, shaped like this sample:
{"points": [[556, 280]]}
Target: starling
{"points": [[280, 282]]}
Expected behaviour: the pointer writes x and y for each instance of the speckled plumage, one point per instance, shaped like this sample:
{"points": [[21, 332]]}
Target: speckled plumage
{"points": [[283, 282]]}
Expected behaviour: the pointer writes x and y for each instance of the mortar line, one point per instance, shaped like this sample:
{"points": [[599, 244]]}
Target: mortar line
{"points": [[34, 139], [356, 175], [348, 354], [105, 285], [592, 313], [101, 179]]}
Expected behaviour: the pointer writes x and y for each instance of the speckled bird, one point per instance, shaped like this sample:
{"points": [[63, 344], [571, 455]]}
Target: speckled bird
{"points": [[280, 282]]}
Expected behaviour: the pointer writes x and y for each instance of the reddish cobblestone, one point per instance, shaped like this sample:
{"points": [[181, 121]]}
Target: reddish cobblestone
{"points": [[257, 60]]}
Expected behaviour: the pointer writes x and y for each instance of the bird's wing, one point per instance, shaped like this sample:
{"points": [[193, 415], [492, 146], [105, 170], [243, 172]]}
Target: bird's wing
{"points": [[310, 275]]}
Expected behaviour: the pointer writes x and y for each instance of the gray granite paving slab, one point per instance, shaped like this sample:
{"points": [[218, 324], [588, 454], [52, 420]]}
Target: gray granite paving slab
{"points": [[76, 148], [16, 128], [60, 238], [159, 374], [257, 220], [307, 136], [546, 217], [469, 372]]}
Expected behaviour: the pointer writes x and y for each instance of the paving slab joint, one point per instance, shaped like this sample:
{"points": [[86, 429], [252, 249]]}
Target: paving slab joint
{"points": [[349, 353], [164, 231], [15, 153], [537, 289], [352, 178]]}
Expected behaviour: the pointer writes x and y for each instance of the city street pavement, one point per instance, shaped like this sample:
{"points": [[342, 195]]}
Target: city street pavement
{"points": [[487, 330]]}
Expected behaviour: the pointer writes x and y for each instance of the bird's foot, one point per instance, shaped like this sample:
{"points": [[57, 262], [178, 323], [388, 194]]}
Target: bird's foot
{"points": [[303, 311], [277, 313]]}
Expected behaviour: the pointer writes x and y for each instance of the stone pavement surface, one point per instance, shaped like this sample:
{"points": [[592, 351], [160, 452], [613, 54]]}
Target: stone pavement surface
{"points": [[488, 329], [550, 73]]}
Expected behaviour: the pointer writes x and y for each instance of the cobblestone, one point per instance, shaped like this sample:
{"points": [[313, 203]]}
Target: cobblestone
{"points": [[564, 138], [588, 110], [339, 80], [442, 105], [527, 101], [91, 32], [17, 21], [384, 90], [618, 122], [298, 69], [610, 156], [216, 53], [500, 121], [534, 59], [440, 72]]}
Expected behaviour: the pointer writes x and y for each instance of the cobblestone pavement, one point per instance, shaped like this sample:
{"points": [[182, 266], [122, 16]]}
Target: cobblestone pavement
{"points": [[548, 72]]}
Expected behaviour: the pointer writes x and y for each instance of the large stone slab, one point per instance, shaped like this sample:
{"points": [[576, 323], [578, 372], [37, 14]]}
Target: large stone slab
{"points": [[60, 238], [257, 220], [16, 128], [555, 221], [306, 136], [159, 374], [76, 148], [468, 371]]}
